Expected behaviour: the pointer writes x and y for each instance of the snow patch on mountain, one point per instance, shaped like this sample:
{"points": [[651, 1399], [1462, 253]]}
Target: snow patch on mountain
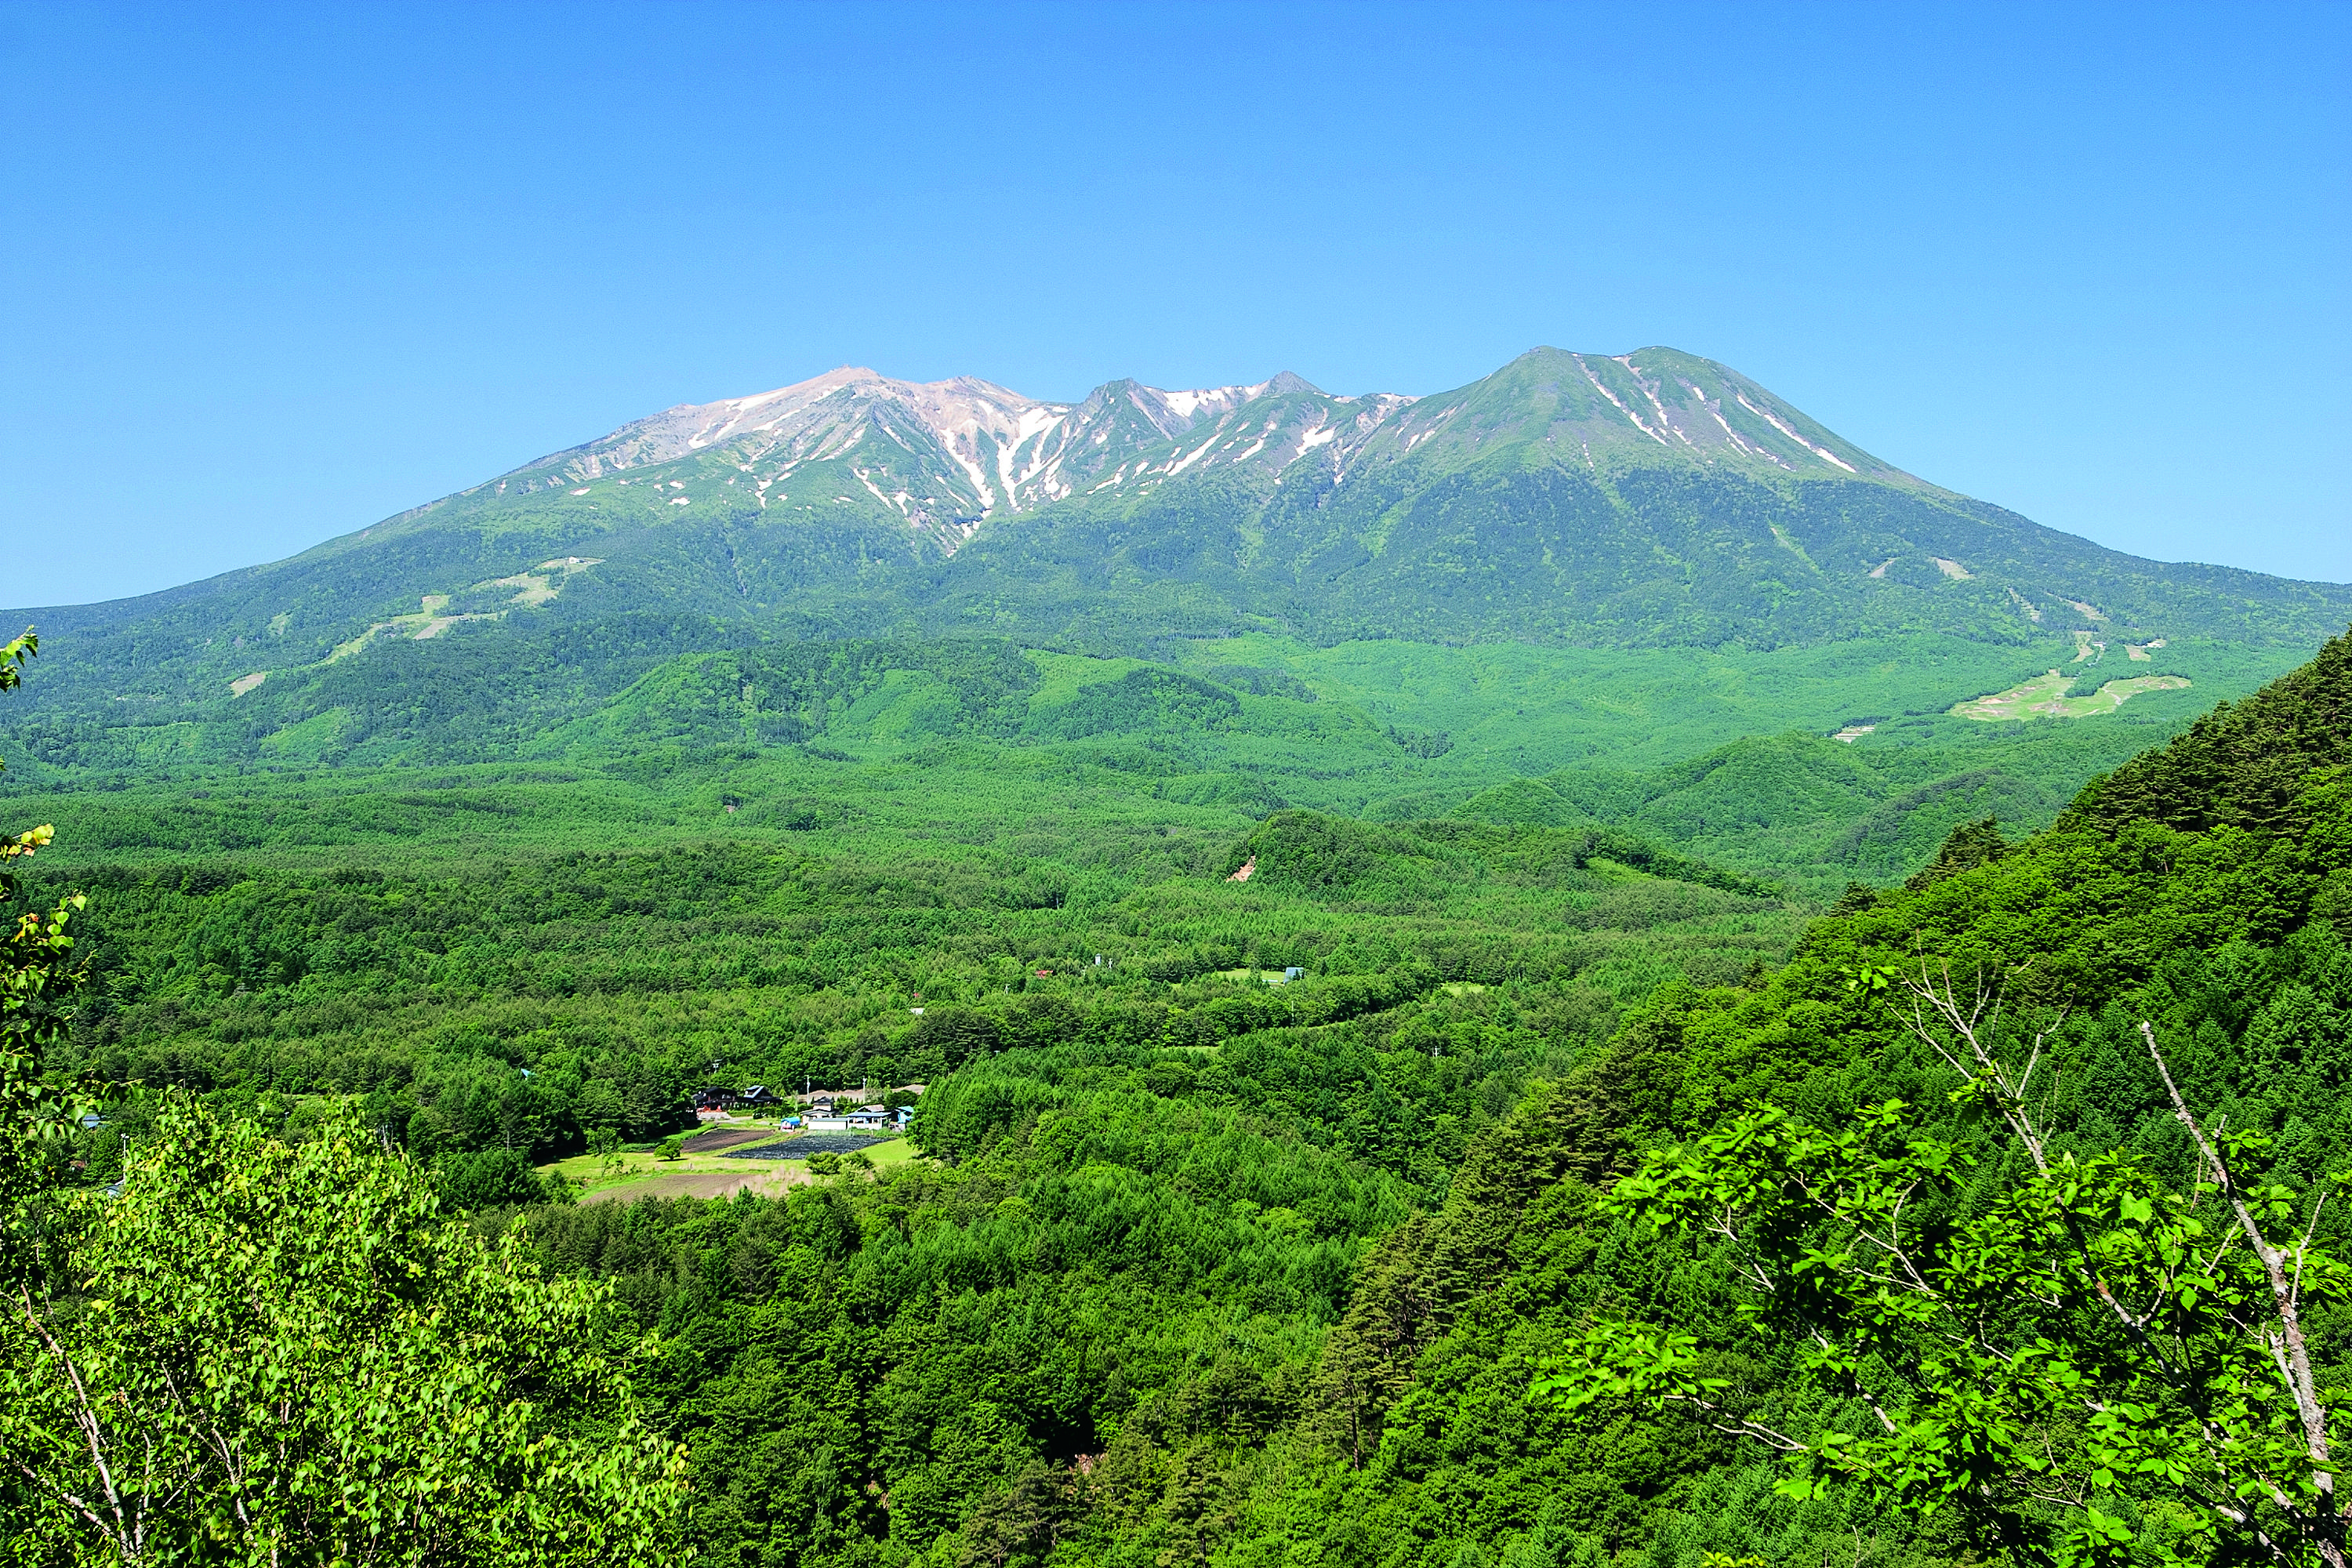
{"points": [[1223, 397], [989, 447], [1824, 453]]}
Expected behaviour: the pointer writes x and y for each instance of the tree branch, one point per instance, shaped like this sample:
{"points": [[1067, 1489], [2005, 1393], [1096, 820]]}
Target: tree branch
{"points": [[86, 1418], [2293, 1349]]}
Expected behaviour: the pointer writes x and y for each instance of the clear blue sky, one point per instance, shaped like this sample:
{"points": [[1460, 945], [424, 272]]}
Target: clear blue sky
{"points": [[270, 275]]}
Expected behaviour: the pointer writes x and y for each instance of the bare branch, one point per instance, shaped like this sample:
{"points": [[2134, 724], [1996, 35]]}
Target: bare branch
{"points": [[1981, 1069], [1738, 1426], [2304, 1247], [2293, 1350], [67, 1498], [85, 1417]]}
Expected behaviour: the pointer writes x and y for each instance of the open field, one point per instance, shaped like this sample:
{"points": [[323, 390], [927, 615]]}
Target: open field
{"points": [[717, 1165], [897, 1151], [771, 1183], [2044, 697], [640, 1174], [723, 1136]]}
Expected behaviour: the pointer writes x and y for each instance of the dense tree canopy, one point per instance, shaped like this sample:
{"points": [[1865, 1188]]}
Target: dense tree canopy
{"points": [[1565, 1183], [254, 1349]]}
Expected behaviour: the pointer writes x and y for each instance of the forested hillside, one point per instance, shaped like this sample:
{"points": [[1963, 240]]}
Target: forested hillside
{"points": [[1726, 756], [619, 979], [1110, 1326], [1196, 1268], [1209, 1299]]}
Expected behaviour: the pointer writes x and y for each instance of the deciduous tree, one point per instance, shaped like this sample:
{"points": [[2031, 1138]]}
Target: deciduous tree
{"points": [[2082, 1362], [289, 1354]]}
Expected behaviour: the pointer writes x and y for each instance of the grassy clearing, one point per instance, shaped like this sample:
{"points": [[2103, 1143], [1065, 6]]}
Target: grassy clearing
{"points": [[897, 1152], [2115, 693], [2044, 697], [595, 1172], [773, 1181]]}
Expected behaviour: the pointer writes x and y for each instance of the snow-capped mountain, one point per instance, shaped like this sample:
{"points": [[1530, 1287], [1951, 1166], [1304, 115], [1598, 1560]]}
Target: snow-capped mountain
{"points": [[956, 452], [1643, 498]]}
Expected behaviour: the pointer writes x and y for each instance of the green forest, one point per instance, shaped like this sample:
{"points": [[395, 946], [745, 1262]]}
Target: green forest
{"points": [[1329, 1143]]}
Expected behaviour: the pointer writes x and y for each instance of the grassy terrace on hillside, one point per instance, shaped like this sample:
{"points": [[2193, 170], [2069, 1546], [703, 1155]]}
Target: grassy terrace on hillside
{"points": [[2045, 696]]}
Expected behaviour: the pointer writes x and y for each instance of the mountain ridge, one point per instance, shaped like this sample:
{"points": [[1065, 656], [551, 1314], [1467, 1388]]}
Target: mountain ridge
{"points": [[1006, 447]]}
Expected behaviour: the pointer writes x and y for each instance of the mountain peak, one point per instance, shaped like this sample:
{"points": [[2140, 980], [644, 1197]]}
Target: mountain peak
{"points": [[1632, 405], [964, 403]]}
